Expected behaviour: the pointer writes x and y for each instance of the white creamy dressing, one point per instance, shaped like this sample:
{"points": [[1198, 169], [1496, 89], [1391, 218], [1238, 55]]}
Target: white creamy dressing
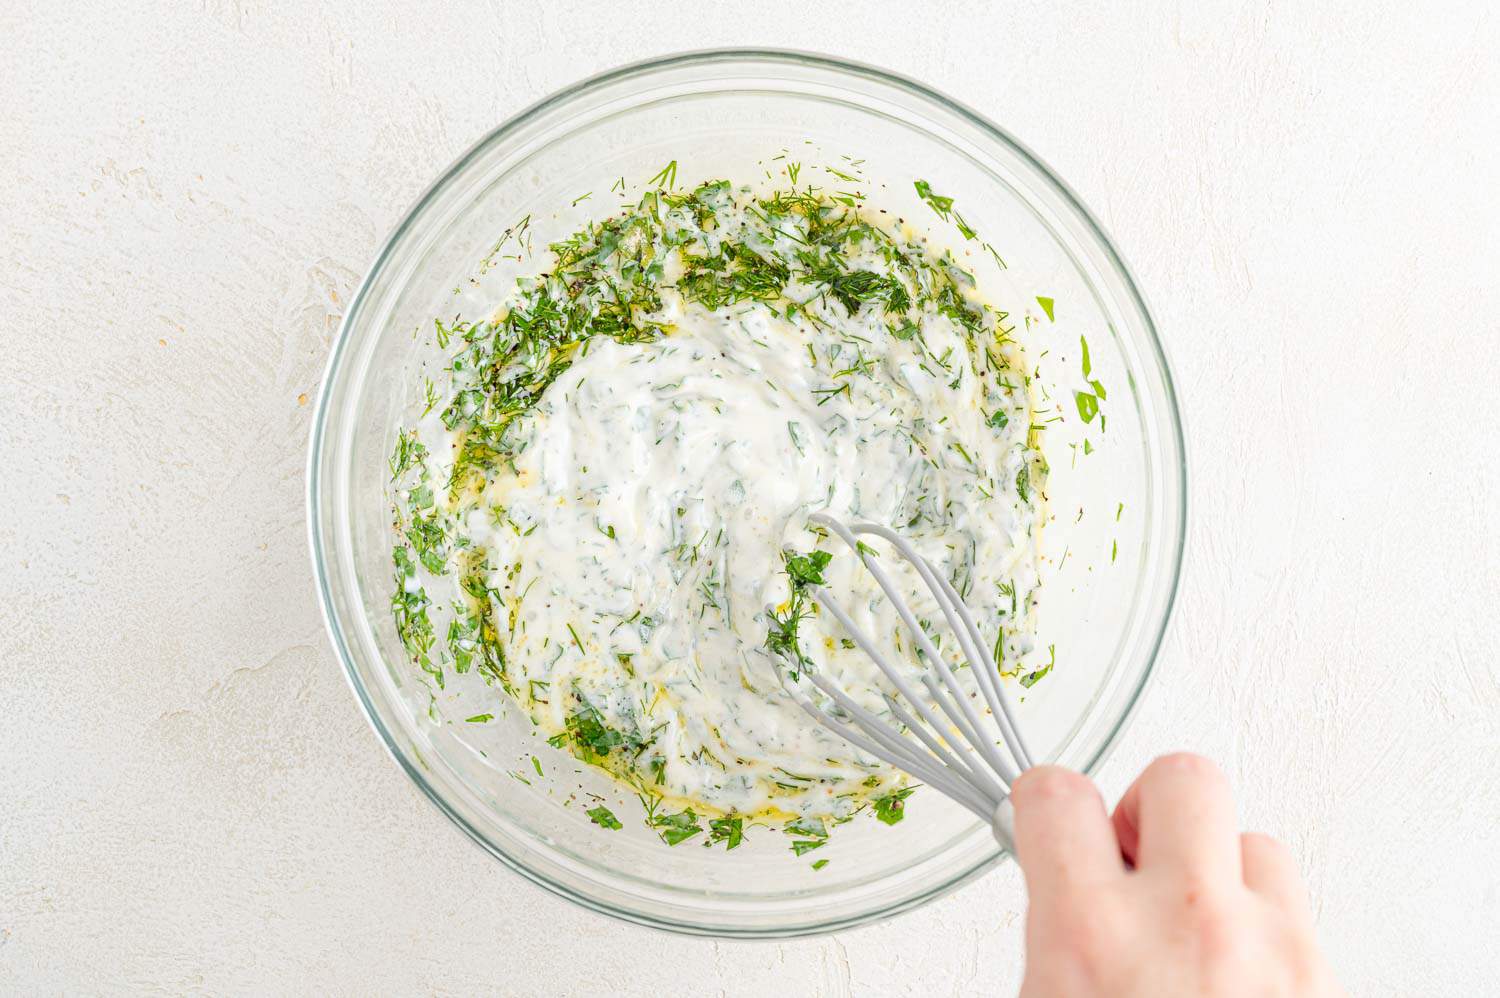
{"points": [[638, 545], [703, 453]]}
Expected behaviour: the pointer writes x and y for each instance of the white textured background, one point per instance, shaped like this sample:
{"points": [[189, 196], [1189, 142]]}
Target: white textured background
{"points": [[190, 800]]}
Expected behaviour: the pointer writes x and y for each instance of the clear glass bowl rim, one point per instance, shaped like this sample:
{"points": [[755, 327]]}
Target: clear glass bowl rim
{"points": [[499, 135]]}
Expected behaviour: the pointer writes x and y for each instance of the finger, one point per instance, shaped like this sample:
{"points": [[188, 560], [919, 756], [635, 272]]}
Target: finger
{"points": [[1271, 872], [1179, 815], [1123, 820], [1063, 837]]}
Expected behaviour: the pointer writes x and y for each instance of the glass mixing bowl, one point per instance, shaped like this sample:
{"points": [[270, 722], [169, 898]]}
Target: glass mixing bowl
{"points": [[1113, 545]]}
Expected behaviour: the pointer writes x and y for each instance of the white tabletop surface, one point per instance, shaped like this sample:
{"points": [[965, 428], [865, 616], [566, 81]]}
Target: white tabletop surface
{"points": [[190, 800]]}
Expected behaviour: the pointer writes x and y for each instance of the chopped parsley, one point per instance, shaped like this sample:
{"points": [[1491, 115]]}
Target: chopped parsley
{"points": [[782, 637], [676, 828], [730, 831], [1088, 406], [591, 736], [891, 808], [1030, 679], [813, 832], [604, 817]]}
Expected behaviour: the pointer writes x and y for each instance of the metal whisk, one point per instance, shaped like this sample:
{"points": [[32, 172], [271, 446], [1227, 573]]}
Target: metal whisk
{"points": [[961, 759]]}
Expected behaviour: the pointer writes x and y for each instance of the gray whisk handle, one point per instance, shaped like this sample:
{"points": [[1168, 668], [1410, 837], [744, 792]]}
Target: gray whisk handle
{"points": [[1004, 825]]}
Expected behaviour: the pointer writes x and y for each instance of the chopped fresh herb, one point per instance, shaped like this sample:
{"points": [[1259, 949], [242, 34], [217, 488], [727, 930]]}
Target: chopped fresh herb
{"points": [[782, 637], [794, 431], [818, 864], [813, 830], [479, 718], [409, 606], [409, 453], [736, 275], [676, 828], [589, 733], [1046, 304], [891, 808], [944, 208], [806, 569], [937, 202], [1030, 679], [604, 817], [855, 288], [730, 831], [667, 178], [429, 542]]}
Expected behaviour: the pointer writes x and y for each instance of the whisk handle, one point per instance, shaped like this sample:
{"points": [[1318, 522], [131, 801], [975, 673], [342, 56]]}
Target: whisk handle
{"points": [[1004, 826]]}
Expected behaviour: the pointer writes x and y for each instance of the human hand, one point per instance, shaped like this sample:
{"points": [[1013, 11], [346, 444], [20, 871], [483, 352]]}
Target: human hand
{"points": [[1204, 911]]}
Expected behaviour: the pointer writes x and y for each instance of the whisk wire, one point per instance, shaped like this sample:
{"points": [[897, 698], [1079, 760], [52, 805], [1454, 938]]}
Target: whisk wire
{"points": [[868, 647], [909, 757], [964, 720], [910, 761], [956, 758], [988, 674], [962, 623], [976, 773]]}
